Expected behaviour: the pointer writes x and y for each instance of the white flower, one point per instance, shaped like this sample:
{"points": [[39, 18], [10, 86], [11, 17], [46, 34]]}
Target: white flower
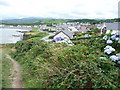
{"points": [[117, 39], [107, 47], [112, 49], [70, 44], [109, 41], [105, 37], [113, 37], [118, 62], [107, 51], [103, 58], [114, 58], [117, 33]]}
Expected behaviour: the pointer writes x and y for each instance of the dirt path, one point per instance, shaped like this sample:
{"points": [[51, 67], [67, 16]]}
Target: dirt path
{"points": [[15, 74]]}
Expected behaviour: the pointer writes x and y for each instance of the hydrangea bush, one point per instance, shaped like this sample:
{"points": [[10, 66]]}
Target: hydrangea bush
{"points": [[112, 41], [56, 65]]}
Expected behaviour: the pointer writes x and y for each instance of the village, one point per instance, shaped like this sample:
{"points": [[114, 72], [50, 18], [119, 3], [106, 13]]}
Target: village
{"points": [[69, 30]]}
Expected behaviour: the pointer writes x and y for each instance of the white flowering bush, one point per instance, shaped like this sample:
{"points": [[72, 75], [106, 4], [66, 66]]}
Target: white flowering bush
{"points": [[66, 41], [109, 49], [113, 39]]}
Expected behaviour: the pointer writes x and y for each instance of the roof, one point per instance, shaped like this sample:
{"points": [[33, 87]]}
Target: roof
{"points": [[66, 32], [112, 26], [72, 29]]}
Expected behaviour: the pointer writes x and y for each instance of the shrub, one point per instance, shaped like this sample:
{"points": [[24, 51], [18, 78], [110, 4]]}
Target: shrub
{"points": [[51, 37], [51, 65]]}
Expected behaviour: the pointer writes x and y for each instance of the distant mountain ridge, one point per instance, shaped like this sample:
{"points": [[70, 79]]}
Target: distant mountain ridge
{"points": [[24, 20]]}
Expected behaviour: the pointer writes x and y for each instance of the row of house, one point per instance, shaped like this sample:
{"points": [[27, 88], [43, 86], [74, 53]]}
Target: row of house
{"points": [[105, 28]]}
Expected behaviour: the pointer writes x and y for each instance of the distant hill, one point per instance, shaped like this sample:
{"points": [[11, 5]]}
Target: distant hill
{"points": [[39, 20], [49, 21], [24, 20]]}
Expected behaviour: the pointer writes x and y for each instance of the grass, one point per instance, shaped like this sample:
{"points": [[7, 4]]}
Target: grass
{"points": [[38, 37], [0, 68], [36, 34], [35, 30], [6, 65]]}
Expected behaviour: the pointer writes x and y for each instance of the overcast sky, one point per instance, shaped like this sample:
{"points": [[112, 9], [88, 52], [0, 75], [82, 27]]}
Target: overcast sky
{"points": [[59, 8]]}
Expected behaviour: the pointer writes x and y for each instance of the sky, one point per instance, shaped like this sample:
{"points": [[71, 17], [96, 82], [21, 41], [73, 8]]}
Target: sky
{"points": [[66, 9]]}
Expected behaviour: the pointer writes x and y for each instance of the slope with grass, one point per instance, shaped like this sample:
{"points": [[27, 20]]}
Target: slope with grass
{"points": [[35, 34], [53, 65], [6, 65]]}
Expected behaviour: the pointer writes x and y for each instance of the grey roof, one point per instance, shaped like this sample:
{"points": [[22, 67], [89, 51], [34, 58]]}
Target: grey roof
{"points": [[112, 26], [66, 32]]}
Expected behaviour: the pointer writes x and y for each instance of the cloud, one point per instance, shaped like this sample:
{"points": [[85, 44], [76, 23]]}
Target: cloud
{"points": [[59, 8], [3, 3]]}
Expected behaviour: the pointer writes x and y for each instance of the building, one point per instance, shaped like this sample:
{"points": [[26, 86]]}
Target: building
{"points": [[107, 27], [66, 34]]}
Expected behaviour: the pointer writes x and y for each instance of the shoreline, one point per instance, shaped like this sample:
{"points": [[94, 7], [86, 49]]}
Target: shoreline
{"points": [[20, 31]]}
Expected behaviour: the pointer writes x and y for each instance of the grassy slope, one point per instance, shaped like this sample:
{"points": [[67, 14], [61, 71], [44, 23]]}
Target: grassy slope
{"points": [[36, 34], [6, 65]]}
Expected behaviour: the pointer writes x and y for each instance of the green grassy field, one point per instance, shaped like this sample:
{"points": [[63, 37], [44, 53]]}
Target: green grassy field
{"points": [[36, 34]]}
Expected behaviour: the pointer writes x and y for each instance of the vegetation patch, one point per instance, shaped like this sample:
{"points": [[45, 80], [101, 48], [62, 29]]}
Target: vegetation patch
{"points": [[53, 65]]}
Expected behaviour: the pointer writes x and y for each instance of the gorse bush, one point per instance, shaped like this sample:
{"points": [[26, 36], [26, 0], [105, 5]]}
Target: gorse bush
{"points": [[53, 65]]}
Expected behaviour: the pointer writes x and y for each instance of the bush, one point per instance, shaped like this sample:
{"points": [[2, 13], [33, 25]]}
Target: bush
{"points": [[51, 37], [51, 65]]}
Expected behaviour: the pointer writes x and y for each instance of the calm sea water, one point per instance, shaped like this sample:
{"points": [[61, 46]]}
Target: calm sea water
{"points": [[6, 36]]}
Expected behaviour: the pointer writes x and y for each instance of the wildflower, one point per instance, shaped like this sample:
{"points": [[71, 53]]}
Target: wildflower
{"points": [[103, 58], [105, 37], [117, 39], [107, 47], [117, 68], [107, 51], [115, 73], [103, 61], [110, 61], [113, 37], [112, 49], [118, 62], [117, 34], [97, 52], [114, 58], [109, 41], [85, 51], [107, 80]]}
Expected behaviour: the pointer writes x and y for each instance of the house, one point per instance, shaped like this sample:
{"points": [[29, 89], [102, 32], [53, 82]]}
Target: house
{"points": [[72, 29], [107, 27], [66, 34]]}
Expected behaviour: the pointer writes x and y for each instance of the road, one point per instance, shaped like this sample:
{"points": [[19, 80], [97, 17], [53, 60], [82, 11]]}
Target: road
{"points": [[47, 37]]}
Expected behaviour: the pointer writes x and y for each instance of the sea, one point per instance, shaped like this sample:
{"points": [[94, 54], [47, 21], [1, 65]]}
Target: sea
{"points": [[9, 35]]}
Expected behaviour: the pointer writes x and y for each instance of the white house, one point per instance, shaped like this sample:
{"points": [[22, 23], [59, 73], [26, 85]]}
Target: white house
{"points": [[64, 34], [72, 29], [107, 27]]}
